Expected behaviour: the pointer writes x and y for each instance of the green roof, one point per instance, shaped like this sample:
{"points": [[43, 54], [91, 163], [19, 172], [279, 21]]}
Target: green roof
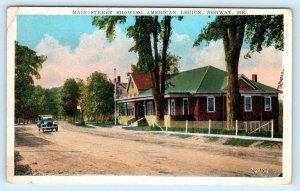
{"points": [[205, 79], [145, 93], [265, 87], [201, 80]]}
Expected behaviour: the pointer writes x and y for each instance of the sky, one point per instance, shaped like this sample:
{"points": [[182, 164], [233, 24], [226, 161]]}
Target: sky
{"points": [[75, 49]]}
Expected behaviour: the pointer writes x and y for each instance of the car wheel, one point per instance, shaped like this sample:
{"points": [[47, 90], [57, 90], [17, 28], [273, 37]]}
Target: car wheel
{"points": [[56, 129], [43, 130]]}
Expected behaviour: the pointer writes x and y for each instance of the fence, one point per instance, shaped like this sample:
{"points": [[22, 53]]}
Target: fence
{"points": [[250, 128]]}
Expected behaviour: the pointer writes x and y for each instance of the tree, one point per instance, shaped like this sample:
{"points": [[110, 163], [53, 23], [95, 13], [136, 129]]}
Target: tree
{"points": [[37, 103], [280, 83], [258, 31], [27, 66], [98, 100], [70, 96], [147, 32], [54, 99], [83, 92]]}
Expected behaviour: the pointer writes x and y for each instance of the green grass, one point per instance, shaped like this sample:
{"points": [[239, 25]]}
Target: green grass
{"points": [[220, 131], [202, 130], [210, 139], [255, 134], [143, 128], [239, 142], [269, 144], [199, 130]]}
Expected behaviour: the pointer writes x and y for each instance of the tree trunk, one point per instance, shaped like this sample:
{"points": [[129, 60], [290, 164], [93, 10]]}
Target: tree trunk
{"points": [[164, 63], [157, 94], [233, 41], [233, 101]]}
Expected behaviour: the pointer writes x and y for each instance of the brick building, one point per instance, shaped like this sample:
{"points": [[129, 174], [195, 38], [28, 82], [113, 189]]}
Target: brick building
{"points": [[199, 95]]}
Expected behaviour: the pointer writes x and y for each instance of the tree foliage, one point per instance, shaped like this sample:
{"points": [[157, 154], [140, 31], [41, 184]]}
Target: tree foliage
{"points": [[151, 35], [27, 66], [259, 31], [98, 100], [70, 96]]}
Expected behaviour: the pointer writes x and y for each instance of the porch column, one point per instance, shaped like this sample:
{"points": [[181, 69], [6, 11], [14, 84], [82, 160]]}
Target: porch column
{"points": [[196, 109]]}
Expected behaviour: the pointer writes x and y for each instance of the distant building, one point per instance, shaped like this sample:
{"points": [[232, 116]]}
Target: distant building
{"points": [[121, 88]]}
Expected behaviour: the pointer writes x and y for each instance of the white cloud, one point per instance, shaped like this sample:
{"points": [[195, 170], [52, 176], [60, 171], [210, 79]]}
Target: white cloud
{"points": [[93, 53], [267, 64]]}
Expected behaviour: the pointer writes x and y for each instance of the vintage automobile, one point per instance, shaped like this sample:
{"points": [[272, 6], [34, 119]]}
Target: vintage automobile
{"points": [[45, 122]]}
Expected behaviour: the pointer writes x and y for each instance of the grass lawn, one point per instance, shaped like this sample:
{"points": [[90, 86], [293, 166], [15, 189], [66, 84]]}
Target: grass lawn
{"points": [[143, 128], [270, 144], [239, 142]]}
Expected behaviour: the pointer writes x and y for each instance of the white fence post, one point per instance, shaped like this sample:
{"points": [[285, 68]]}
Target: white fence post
{"points": [[236, 127], [272, 128], [167, 125], [186, 125], [209, 126]]}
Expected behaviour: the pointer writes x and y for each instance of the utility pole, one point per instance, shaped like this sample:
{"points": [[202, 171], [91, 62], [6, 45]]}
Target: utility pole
{"points": [[115, 96]]}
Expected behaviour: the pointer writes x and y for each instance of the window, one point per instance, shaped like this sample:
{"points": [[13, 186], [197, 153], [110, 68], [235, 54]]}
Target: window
{"points": [[211, 104], [268, 103], [248, 103], [171, 106], [185, 106], [149, 108]]}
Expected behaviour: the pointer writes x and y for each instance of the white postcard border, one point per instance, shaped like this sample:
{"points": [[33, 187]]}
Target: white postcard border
{"points": [[149, 180]]}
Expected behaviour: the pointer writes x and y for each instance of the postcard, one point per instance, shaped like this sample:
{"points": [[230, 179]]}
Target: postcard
{"points": [[137, 95]]}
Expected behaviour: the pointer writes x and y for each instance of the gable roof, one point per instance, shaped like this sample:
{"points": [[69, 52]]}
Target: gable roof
{"points": [[206, 79], [142, 81]]}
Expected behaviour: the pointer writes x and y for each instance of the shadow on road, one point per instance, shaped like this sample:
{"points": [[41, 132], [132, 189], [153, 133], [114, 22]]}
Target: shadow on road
{"points": [[24, 138], [21, 169]]}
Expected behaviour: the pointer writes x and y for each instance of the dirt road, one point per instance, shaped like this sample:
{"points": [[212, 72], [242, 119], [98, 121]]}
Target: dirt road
{"points": [[111, 151]]}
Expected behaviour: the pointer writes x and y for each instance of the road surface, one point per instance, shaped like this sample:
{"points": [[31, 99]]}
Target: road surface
{"points": [[110, 151]]}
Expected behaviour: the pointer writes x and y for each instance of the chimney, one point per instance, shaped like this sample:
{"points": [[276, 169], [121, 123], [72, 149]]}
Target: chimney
{"points": [[254, 77], [119, 79]]}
